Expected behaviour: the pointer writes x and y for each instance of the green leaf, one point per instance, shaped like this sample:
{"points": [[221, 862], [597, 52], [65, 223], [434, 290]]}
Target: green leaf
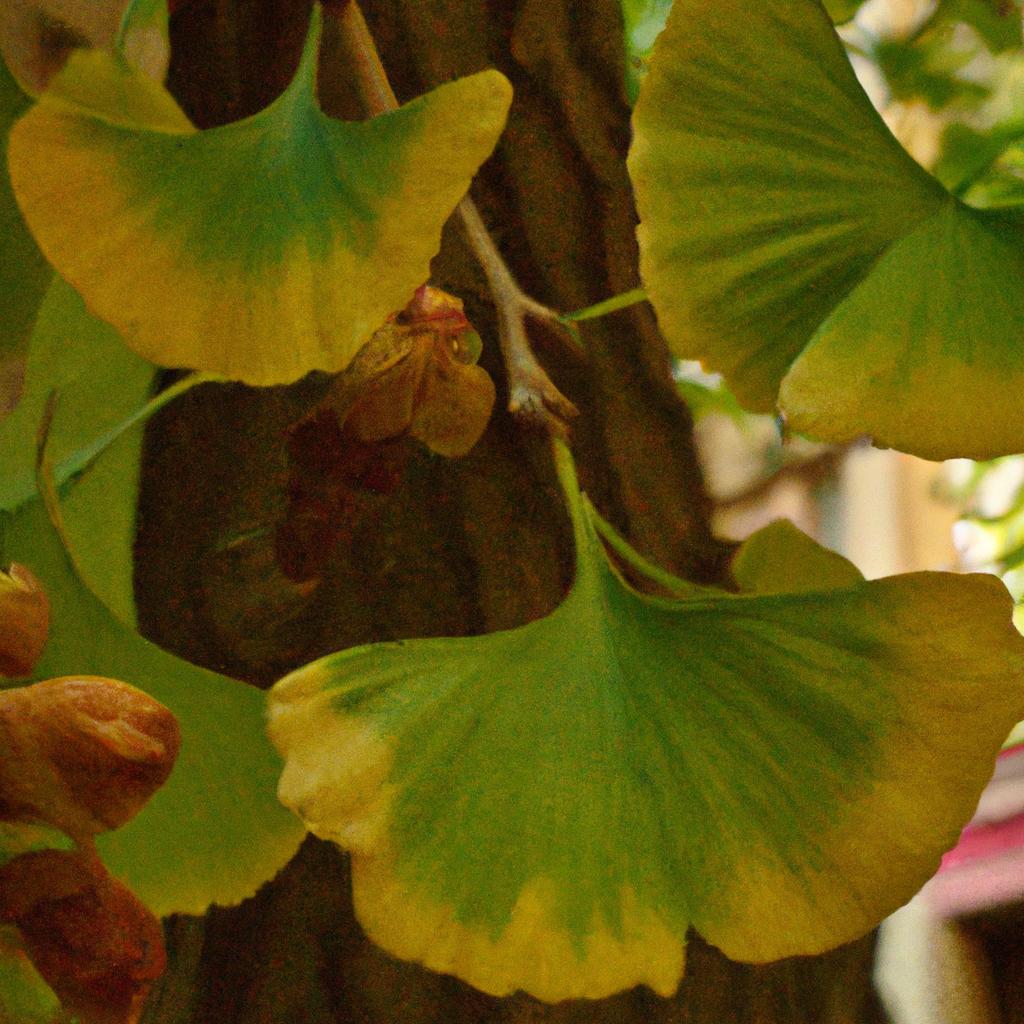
{"points": [[767, 185], [706, 394], [642, 21], [774, 203], [780, 559], [935, 328], [997, 22], [215, 831], [24, 997], [24, 273], [260, 250], [551, 807], [841, 11], [1001, 185], [967, 155], [927, 69], [98, 383]]}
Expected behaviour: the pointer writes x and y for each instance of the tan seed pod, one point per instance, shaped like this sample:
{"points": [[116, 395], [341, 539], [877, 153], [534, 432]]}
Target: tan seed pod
{"points": [[24, 621], [82, 753]]}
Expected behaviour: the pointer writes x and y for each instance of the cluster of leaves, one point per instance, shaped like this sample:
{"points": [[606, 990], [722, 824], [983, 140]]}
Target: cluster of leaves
{"points": [[215, 832], [548, 808]]}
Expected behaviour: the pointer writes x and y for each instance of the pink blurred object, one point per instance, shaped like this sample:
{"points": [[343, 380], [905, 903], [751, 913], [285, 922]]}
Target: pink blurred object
{"points": [[985, 870]]}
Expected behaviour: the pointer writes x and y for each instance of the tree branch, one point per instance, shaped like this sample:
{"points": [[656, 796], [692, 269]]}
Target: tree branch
{"points": [[533, 396]]}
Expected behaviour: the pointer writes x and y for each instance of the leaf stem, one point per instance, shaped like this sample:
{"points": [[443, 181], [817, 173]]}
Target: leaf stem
{"points": [[612, 305], [44, 478], [533, 396], [673, 584], [75, 464]]}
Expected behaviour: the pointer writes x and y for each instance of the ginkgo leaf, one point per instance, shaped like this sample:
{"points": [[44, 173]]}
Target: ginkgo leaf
{"points": [[23, 271], [214, 832], [260, 250], [770, 190], [780, 559], [926, 353], [98, 383], [549, 808]]}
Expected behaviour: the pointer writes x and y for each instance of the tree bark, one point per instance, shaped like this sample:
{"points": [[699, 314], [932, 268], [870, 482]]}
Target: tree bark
{"points": [[456, 547]]}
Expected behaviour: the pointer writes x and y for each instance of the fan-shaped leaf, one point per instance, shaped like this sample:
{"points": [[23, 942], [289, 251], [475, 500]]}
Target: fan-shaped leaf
{"points": [[260, 250], [23, 271], [769, 191], [98, 383], [927, 350], [549, 808]]}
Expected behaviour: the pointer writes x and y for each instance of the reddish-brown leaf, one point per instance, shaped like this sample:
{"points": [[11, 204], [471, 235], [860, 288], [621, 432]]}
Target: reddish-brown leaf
{"points": [[24, 621]]}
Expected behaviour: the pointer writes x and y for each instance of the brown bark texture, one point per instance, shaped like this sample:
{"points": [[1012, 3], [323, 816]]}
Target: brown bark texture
{"points": [[448, 547]]}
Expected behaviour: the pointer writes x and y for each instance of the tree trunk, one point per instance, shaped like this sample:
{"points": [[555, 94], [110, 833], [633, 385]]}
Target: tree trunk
{"points": [[447, 547]]}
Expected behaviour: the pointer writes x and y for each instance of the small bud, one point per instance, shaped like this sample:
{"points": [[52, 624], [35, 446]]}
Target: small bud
{"points": [[91, 939], [83, 754], [24, 621]]}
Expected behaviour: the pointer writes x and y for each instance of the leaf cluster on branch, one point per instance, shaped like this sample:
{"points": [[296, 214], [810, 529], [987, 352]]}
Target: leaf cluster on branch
{"points": [[777, 763]]}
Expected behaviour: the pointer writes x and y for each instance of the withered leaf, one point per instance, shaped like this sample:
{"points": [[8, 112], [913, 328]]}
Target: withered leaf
{"points": [[416, 378], [90, 938], [417, 375]]}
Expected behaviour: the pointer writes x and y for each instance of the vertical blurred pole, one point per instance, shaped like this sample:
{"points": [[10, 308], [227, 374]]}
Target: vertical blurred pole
{"points": [[890, 521]]}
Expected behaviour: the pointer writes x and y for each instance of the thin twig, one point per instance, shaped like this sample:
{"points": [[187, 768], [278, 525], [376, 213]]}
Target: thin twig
{"points": [[532, 394], [44, 478]]}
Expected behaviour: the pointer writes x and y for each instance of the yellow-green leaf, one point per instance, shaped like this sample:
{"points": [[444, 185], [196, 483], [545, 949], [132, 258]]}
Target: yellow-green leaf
{"points": [[260, 250], [23, 271], [780, 559], [214, 832], [926, 353], [551, 807], [788, 241], [98, 383]]}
